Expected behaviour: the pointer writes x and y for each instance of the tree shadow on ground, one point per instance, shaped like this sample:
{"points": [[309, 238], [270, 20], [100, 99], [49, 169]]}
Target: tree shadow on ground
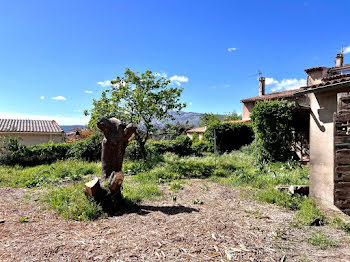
{"points": [[117, 206]]}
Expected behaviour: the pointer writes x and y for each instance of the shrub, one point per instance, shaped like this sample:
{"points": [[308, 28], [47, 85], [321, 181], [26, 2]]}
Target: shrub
{"points": [[201, 146], [229, 136], [273, 127], [181, 146], [89, 149], [14, 153]]}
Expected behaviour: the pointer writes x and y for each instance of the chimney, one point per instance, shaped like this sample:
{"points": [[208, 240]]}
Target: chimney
{"points": [[339, 60], [261, 86]]}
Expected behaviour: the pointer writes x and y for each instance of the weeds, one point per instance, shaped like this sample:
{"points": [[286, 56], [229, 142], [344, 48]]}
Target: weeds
{"points": [[321, 240], [341, 224], [46, 174], [23, 219], [71, 202], [309, 214]]}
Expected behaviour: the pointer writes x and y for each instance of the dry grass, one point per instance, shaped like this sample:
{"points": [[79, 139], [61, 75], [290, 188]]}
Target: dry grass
{"points": [[223, 226]]}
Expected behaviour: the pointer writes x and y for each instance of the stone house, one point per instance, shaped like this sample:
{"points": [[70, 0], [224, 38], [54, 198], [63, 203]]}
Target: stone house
{"points": [[32, 132], [325, 106]]}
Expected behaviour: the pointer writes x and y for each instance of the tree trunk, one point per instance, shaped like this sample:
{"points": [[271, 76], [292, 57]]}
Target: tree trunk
{"points": [[142, 143]]}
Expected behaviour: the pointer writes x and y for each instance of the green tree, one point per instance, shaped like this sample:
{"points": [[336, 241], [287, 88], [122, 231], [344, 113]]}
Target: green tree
{"points": [[139, 99], [233, 116], [209, 118]]}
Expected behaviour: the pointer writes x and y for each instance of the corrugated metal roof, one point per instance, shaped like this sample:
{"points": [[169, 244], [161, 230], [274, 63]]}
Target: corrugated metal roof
{"points": [[275, 95], [29, 126]]}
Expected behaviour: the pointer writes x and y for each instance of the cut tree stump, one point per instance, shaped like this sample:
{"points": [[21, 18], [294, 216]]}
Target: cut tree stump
{"points": [[115, 182], [93, 187]]}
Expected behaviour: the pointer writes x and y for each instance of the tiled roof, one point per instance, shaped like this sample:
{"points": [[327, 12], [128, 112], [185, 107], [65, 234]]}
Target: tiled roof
{"points": [[31, 126], [197, 130], [274, 95], [328, 81], [318, 68], [238, 121]]}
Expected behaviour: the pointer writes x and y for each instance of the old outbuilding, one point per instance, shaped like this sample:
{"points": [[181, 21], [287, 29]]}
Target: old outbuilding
{"points": [[32, 132]]}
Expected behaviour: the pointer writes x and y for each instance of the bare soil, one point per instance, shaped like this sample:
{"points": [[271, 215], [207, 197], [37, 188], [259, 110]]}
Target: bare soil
{"points": [[224, 227]]}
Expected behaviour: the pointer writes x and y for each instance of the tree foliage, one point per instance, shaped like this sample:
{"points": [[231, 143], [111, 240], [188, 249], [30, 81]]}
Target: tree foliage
{"points": [[139, 99], [273, 126], [209, 118], [229, 136], [232, 116]]}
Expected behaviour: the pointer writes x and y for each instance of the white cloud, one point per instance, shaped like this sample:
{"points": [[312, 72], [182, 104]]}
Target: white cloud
{"points": [[284, 84], [104, 83], [179, 79], [231, 49], [227, 86], [88, 92], [77, 110], [190, 103], [42, 97], [59, 98], [346, 49], [61, 120]]}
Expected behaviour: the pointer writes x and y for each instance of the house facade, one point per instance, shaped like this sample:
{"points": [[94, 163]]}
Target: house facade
{"points": [[199, 130], [32, 132], [326, 100]]}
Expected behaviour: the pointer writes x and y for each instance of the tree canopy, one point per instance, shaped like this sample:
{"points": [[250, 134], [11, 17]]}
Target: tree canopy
{"points": [[139, 99]]}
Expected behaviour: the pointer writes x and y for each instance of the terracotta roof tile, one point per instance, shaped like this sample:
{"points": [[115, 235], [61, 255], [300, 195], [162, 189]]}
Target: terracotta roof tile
{"points": [[197, 130], [328, 81], [238, 121], [274, 95], [314, 69], [29, 126]]}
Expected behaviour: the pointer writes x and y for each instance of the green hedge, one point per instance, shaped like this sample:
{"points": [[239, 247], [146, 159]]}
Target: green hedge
{"points": [[181, 145], [229, 136], [14, 153], [273, 126]]}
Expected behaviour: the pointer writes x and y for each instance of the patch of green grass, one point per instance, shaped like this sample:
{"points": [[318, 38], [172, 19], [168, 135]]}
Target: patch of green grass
{"points": [[321, 240], [45, 174], [310, 214], [71, 202], [280, 198], [23, 219], [141, 186], [340, 224], [176, 186], [256, 214]]}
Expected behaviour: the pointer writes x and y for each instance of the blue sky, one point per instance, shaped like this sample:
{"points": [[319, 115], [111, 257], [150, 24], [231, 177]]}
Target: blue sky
{"points": [[53, 52]]}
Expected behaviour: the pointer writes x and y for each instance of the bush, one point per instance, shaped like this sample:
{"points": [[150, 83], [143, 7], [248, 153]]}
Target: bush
{"points": [[181, 146], [14, 153], [89, 149], [229, 136], [273, 127]]}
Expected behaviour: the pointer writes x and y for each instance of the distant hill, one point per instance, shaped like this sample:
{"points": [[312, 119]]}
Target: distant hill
{"points": [[192, 118], [68, 129]]}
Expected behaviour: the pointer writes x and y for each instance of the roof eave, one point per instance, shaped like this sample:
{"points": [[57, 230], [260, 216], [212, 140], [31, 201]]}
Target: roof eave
{"points": [[321, 88]]}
